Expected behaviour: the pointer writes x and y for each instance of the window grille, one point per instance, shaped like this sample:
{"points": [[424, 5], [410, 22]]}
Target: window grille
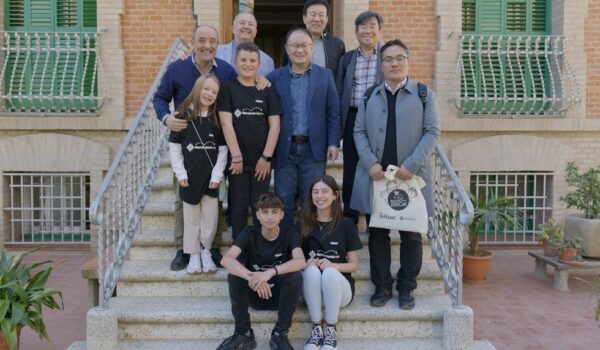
{"points": [[532, 192], [47, 208]]}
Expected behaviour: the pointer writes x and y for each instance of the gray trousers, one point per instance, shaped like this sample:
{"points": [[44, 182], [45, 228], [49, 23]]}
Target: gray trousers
{"points": [[329, 288]]}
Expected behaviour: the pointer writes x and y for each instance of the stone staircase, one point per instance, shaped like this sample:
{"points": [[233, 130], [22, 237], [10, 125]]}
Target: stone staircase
{"points": [[157, 308]]}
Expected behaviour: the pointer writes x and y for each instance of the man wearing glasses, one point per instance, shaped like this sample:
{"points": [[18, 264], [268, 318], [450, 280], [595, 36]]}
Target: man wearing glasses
{"points": [[310, 121], [394, 125]]}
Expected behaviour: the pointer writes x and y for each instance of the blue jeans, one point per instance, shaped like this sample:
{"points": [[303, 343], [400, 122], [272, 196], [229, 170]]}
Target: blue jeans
{"points": [[293, 178]]}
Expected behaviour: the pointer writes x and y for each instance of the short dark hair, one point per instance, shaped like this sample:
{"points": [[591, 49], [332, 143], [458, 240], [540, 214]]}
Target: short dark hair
{"points": [[367, 15], [247, 46], [394, 42], [310, 3], [296, 29], [269, 200]]}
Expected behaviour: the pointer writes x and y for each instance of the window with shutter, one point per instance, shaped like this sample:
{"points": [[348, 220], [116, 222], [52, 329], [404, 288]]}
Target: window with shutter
{"points": [[503, 64], [56, 59]]}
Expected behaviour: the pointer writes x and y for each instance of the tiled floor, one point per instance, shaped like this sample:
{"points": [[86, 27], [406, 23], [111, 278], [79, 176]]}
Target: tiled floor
{"points": [[512, 309]]}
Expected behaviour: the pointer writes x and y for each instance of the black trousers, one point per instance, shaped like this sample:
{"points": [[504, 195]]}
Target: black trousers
{"points": [[244, 190], [350, 163], [285, 295], [411, 258]]}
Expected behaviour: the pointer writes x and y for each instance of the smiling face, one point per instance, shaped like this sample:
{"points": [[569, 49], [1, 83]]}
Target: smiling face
{"points": [[322, 196], [299, 48], [244, 28], [247, 63], [209, 92], [315, 19], [269, 217], [205, 42], [394, 64], [368, 33]]}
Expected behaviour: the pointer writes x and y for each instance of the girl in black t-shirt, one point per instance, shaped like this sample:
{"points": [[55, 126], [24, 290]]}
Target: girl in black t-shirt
{"points": [[330, 244], [198, 157]]}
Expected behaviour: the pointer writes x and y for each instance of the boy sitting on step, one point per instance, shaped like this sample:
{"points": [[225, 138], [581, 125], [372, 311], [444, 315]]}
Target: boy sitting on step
{"points": [[270, 278]]}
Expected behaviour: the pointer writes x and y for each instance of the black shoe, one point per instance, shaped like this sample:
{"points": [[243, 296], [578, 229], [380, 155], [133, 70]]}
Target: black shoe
{"points": [[180, 261], [216, 256], [239, 342], [381, 297], [279, 341], [406, 301]]}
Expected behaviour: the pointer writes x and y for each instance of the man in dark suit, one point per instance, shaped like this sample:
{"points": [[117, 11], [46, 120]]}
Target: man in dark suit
{"points": [[310, 121], [327, 49], [358, 70]]}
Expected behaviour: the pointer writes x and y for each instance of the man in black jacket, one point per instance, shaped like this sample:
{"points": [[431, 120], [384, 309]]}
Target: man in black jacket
{"points": [[327, 49], [358, 70]]}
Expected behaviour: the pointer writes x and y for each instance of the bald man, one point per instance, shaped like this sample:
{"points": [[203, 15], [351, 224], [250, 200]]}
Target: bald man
{"points": [[244, 30]]}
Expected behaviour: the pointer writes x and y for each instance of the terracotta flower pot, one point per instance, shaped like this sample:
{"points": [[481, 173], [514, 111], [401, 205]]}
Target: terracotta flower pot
{"points": [[549, 249], [475, 268], [4, 345], [567, 254]]}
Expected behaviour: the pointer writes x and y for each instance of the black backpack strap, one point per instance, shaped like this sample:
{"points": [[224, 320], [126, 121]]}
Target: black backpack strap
{"points": [[422, 88], [368, 94]]}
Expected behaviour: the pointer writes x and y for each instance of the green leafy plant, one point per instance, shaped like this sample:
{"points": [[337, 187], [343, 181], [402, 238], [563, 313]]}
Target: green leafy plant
{"points": [[586, 196], [23, 295], [496, 212], [550, 231], [570, 243]]}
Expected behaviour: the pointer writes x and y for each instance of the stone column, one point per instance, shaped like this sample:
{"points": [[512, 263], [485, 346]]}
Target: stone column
{"points": [[458, 328], [102, 330]]}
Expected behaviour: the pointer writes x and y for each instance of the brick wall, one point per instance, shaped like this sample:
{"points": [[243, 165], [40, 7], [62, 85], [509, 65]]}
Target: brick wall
{"points": [[592, 49], [415, 23], [148, 29]]}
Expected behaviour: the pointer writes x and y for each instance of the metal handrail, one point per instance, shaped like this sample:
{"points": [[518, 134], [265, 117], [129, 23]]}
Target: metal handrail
{"points": [[120, 200], [51, 72], [453, 211]]}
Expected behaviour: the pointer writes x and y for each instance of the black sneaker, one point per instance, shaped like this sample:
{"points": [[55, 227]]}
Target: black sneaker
{"points": [[329, 339], [180, 261], [280, 341], [381, 297], [316, 338], [239, 342], [406, 301]]}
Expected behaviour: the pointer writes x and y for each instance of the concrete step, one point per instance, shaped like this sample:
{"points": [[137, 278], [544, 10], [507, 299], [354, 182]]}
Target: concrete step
{"points": [[154, 278], [346, 344], [210, 318]]}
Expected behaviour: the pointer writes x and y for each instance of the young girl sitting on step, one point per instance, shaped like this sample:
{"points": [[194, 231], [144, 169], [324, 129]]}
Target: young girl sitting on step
{"points": [[330, 244], [198, 157]]}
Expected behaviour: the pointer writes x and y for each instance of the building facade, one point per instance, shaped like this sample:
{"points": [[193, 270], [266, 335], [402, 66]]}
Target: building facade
{"points": [[516, 81]]}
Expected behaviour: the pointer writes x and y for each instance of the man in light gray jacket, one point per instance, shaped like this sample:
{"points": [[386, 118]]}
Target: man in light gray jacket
{"points": [[394, 126]]}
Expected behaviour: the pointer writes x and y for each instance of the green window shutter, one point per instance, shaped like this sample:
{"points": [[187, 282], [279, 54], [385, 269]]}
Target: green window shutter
{"points": [[66, 14], [89, 14], [489, 16], [40, 16], [516, 16], [540, 16], [14, 14], [469, 17]]}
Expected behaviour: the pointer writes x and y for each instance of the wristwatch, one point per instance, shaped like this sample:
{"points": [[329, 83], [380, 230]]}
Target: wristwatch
{"points": [[268, 159]]}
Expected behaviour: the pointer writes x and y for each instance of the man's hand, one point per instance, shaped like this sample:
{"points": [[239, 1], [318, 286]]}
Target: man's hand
{"points": [[403, 173], [332, 153], [264, 290], [237, 168], [213, 185], [184, 183], [175, 124], [262, 83], [257, 278], [376, 172], [262, 169]]}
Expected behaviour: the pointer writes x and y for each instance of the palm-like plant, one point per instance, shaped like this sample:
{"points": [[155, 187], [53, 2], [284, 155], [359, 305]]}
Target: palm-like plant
{"points": [[23, 295], [495, 211]]}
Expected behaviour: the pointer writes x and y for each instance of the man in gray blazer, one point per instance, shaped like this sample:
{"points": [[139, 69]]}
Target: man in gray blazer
{"points": [[358, 70], [394, 126], [244, 30]]}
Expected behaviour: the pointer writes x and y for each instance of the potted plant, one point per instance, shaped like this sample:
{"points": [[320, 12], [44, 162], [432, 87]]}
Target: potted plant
{"points": [[550, 235], [568, 249], [496, 212], [586, 198], [23, 295]]}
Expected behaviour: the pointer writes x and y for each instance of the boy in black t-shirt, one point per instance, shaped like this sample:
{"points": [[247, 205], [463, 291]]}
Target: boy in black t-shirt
{"points": [[270, 279], [250, 121]]}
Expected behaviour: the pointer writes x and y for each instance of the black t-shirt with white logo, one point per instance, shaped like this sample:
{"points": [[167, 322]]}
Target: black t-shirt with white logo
{"points": [[263, 254], [334, 246], [250, 109], [199, 157]]}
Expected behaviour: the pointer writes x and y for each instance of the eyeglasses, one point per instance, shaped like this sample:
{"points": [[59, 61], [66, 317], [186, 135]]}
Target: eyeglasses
{"points": [[390, 59], [297, 46]]}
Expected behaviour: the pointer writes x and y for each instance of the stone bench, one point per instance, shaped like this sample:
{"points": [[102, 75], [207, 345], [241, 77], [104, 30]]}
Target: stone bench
{"points": [[561, 271]]}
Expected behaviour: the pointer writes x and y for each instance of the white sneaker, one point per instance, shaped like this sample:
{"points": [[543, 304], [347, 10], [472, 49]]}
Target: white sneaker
{"points": [[208, 265], [194, 266], [316, 338], [329, 339]]}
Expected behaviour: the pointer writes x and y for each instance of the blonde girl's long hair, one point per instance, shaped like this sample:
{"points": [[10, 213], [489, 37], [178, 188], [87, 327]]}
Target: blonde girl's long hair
{"points": [[190, 107]]}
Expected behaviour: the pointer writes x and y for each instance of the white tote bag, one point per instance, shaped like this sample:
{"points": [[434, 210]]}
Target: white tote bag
{"points": [[397, 204]]}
